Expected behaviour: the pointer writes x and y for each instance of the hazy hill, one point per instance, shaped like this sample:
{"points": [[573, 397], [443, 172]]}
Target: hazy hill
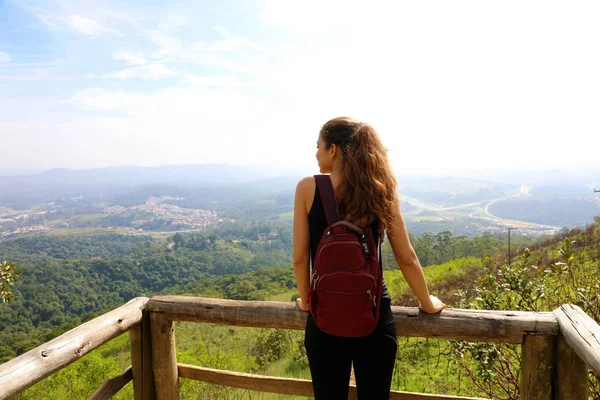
{"points": [[117, 183], [536, 202]]}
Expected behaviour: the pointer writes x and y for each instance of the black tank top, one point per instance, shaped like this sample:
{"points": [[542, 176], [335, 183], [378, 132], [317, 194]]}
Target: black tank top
{"points": [[317, 222]]}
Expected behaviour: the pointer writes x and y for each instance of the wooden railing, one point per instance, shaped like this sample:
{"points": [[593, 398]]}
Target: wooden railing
{"points": [[557, 347]]}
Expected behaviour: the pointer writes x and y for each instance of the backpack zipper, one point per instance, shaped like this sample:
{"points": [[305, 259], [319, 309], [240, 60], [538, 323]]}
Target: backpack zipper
{"points": [[345, 242], [365, 248], [371, 297], [341, 272]]}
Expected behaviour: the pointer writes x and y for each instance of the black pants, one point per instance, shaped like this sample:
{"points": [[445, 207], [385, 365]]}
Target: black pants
{"points": [[331, 357]]}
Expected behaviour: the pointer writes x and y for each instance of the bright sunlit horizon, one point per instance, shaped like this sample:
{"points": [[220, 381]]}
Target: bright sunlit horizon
{"points": [[450, 86]]}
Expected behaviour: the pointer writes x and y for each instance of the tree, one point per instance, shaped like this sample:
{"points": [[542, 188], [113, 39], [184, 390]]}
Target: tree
{"points": [[493, 367], [442, 241], [8, 276], [179, 240]]}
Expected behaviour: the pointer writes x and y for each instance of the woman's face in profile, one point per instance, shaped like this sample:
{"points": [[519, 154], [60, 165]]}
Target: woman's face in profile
{"points": [[323, 159]]}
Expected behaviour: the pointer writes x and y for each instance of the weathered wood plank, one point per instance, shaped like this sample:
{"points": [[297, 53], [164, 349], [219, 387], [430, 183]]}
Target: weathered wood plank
{"points": [[24, 371], [288, 386], [581, 333], [110, 387], [164, 357], [537, 367], [571, 373], [452, 324], [140, 345], [137, 361]]}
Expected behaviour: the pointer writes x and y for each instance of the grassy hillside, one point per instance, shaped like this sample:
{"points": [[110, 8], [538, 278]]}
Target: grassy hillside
{"points": [[423, 365], [443, 280]]}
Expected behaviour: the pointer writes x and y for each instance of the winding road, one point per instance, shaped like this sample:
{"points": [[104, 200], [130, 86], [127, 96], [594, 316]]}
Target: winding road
{"points": [[482, 208]]}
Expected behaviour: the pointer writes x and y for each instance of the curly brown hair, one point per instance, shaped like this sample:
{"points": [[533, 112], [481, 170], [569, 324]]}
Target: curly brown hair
{"points": [[368, 187]]}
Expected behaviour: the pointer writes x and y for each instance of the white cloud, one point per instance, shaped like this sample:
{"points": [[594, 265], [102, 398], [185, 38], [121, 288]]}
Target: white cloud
{"points": [[216, 81], [200, 125], [228, 45], [60, 18], [171, 126], [29, 65], [151, 65], [130, 58], [88, 26], [450, 84], [40, 77], [470, 84], [149, 72], [5, 57], [172, 22], [170, 46], [98, 99]]}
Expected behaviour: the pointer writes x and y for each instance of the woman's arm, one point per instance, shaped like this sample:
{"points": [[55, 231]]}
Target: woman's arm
{"points": [[409, 264], [301, 240]]}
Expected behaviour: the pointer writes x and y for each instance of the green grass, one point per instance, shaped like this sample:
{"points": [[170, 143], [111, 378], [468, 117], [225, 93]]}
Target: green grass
{"points": [[442, 280], [286, 296], [422, 365], [419, 366]]}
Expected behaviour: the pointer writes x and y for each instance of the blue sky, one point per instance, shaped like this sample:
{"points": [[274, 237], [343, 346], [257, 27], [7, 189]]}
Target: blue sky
{"points": [[449, 85]]}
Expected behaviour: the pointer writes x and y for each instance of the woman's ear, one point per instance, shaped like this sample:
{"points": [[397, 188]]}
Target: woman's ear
{"points": [[332, 150]]}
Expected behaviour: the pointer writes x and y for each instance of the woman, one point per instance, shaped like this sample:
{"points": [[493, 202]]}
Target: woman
{"points": [[365, 192]]}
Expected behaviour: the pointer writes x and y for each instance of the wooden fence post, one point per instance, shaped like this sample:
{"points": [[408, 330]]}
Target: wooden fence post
{"points": [[140, 345], [578, 348], [571, 373], [164, 357], [537, 367]]}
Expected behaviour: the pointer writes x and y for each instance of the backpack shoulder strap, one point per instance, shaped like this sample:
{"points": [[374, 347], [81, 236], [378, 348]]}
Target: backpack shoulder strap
{"points": [[326, 192]]}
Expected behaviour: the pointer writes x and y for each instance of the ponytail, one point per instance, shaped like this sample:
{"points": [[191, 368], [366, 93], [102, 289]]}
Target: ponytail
{"points": [[368, 188]]}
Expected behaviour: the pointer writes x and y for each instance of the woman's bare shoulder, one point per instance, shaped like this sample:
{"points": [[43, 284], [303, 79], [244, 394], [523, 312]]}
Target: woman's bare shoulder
{"points": [[305, 191], [306, 185]]}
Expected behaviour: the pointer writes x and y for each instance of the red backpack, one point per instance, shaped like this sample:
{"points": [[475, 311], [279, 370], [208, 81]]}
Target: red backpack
{"points": [[346, 283]]}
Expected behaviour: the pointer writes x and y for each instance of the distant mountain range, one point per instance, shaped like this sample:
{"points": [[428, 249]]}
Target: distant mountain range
{"points": [[548, 199], [189, 174], [226, 173], [23, 191]]}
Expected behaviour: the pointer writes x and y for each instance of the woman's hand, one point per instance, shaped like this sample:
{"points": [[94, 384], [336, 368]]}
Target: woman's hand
{"points": [[436, 306], [302, 305]]}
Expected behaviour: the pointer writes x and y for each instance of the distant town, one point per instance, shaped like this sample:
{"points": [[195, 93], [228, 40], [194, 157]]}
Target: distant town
{"points": [[154, 209], [191, 218]]}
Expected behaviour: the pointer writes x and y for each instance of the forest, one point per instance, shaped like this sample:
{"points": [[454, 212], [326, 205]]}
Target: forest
{"points": [[67, 280]]}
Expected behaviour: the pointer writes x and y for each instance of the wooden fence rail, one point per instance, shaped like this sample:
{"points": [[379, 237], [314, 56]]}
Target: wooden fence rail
{"points": [[451, 324], [289, 386], [557, 347], [24, 371], [112, 386]]}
